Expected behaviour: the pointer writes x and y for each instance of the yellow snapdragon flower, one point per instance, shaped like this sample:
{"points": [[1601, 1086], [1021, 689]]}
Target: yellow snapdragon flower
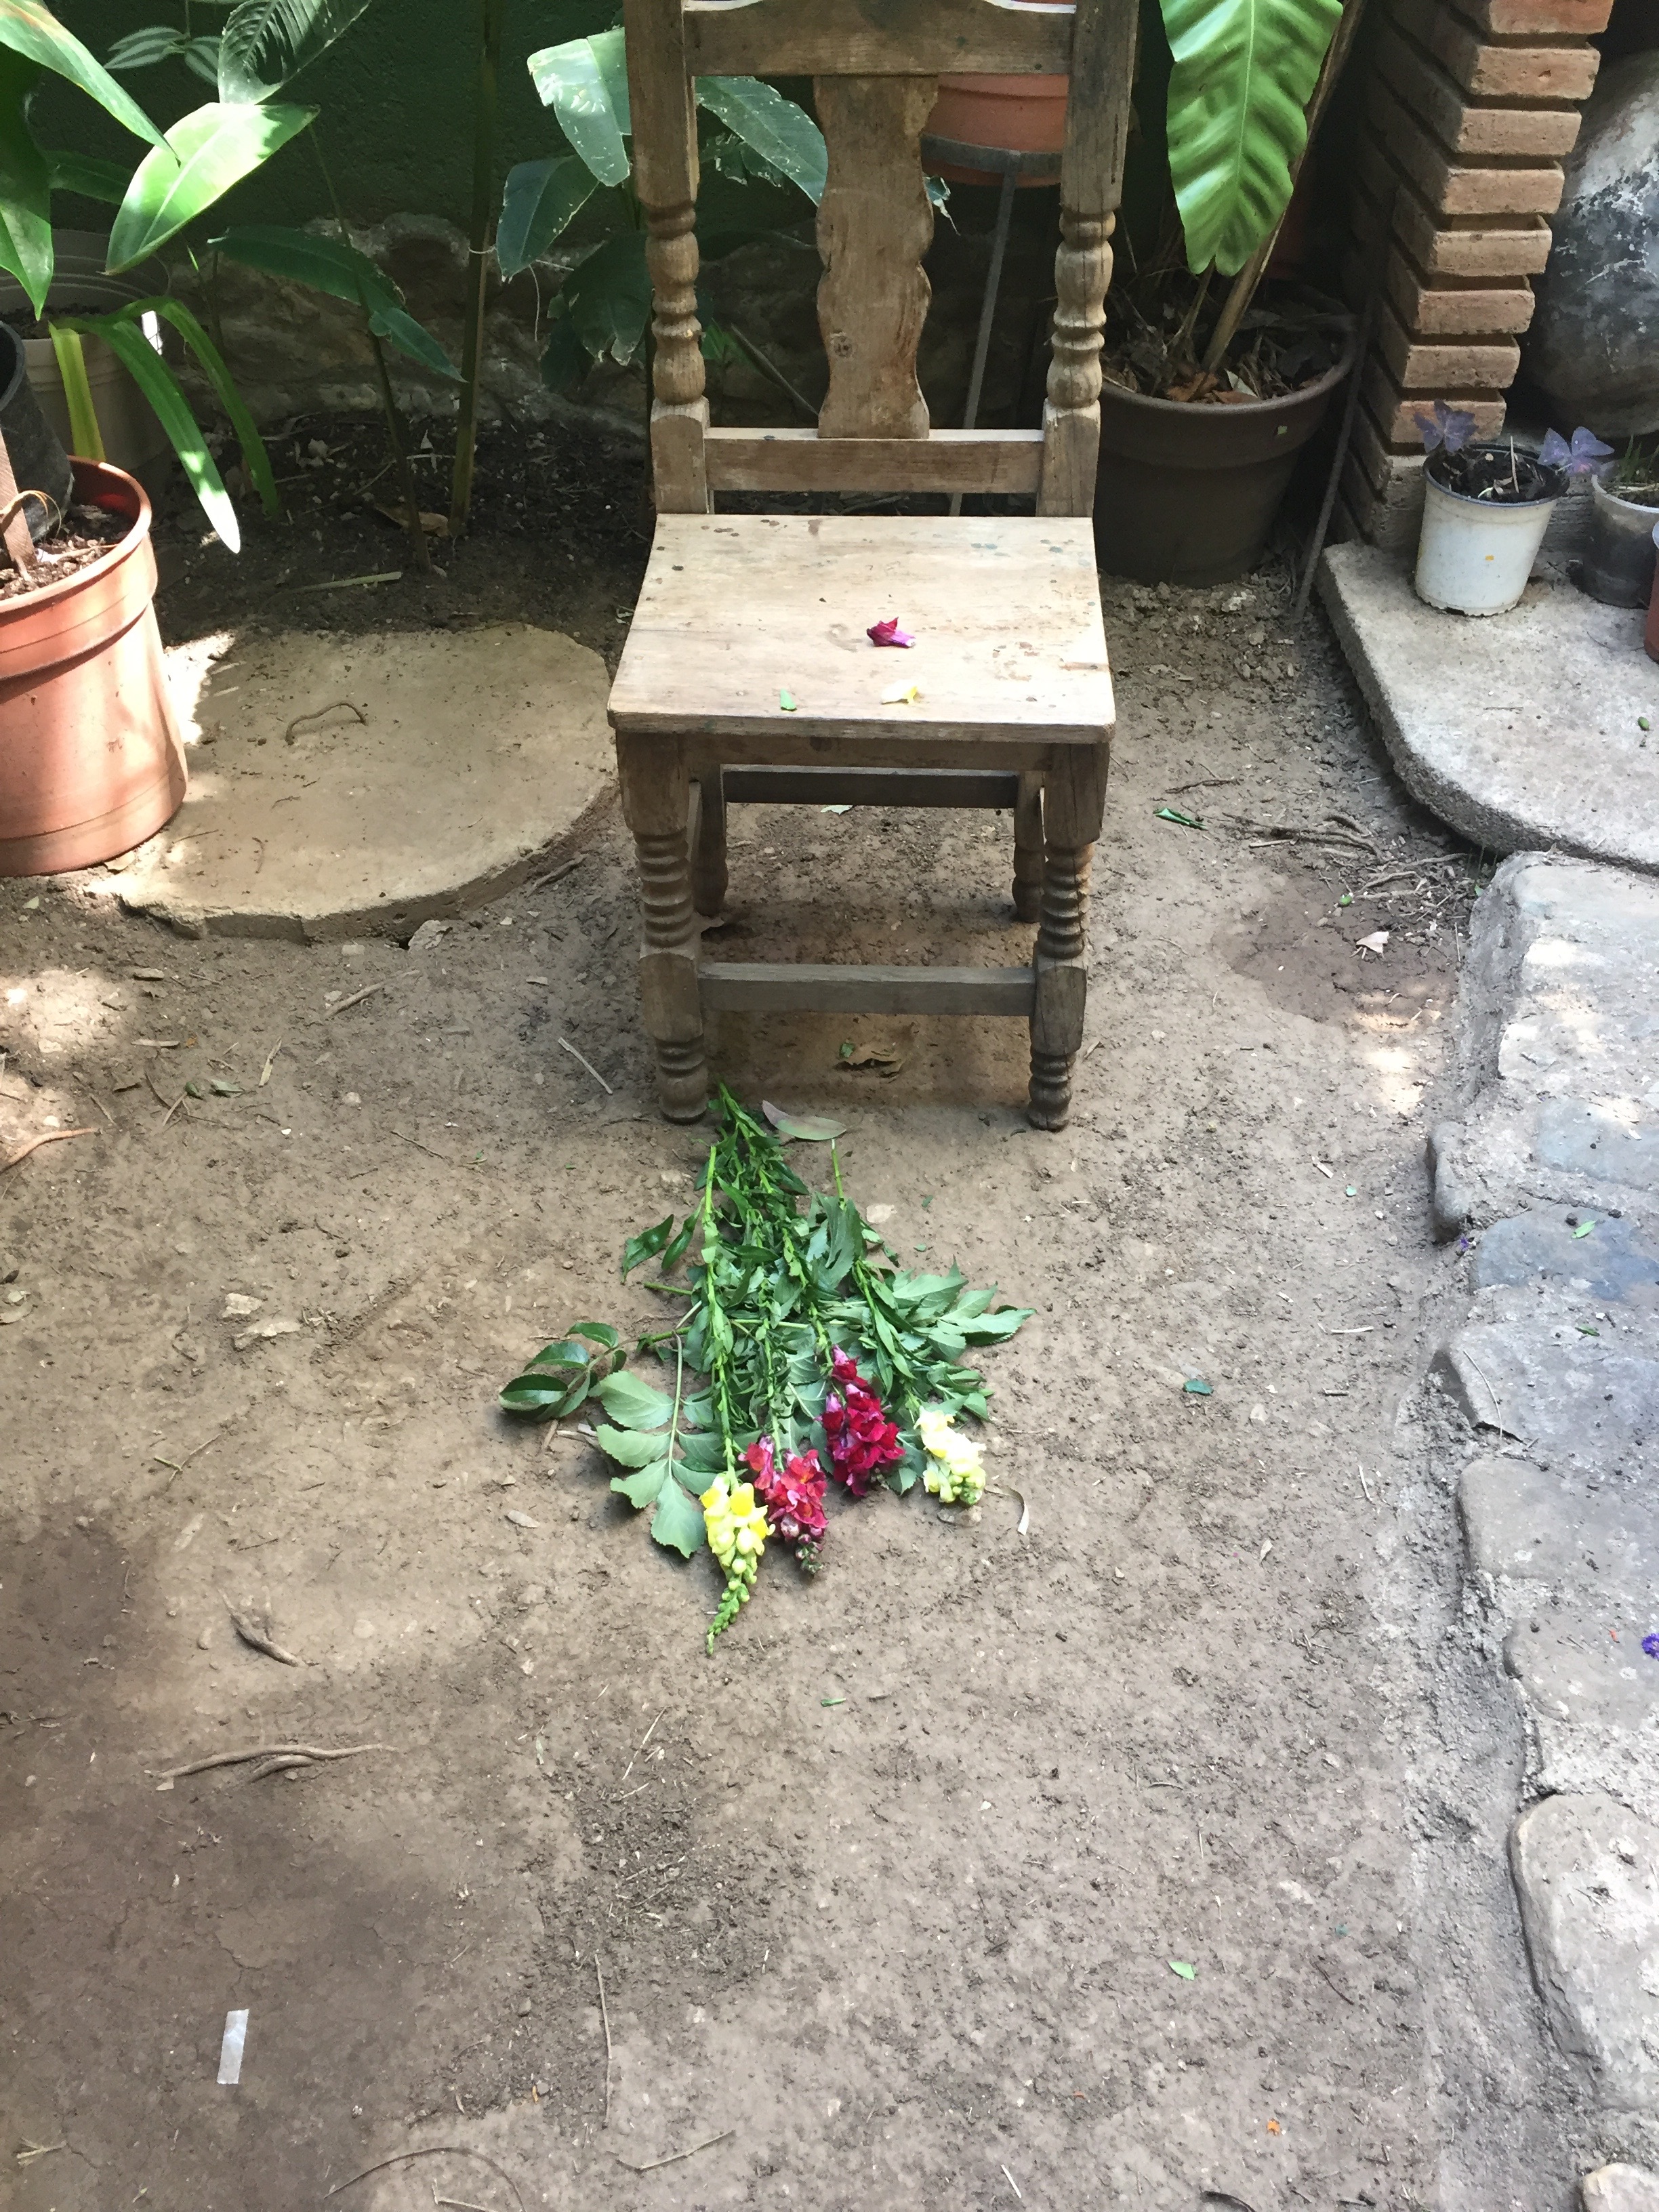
{"points": [[954, 1472], [736, 1527]]}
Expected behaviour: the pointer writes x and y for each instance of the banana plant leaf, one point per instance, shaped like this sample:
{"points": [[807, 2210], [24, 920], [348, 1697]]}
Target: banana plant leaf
{"points": [[205, 153], [584, 82], [1244, 72], [329, 265], [267, 42], [783, 134], [607, 298], [213, 366], [28, 28], [157, 380], [538, 206], [26, 249], [86, 173]]}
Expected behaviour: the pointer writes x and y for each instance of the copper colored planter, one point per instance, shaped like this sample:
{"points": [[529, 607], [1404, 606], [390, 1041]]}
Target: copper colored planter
{"points": [[90, 758]]}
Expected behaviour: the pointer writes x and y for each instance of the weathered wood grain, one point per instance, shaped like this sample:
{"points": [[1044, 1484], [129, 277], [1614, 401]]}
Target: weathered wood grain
{"points": [[946, 460], [875, 222], [917, 38]]}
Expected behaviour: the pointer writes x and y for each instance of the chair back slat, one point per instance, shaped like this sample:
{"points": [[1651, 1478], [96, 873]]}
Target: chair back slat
{"points": [[875, 38], [875, 65], [875, 223]]}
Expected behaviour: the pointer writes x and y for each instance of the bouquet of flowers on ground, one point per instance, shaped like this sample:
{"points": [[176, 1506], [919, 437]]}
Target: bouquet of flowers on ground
{"points": [[805, 1355]]}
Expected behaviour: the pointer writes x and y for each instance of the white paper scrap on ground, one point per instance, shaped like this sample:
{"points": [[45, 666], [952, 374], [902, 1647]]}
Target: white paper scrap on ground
{"points": [[230, 2051]]}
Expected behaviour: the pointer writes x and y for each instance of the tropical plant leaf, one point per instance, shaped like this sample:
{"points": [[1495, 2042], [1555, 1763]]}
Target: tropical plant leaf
{"points": [[1244, 72], [536, 207], [95, 180], [647, 1245], [329, 265], [413, 338], [247, 436], [157, 380], [32, 30], [811, 1128], [584, 82], [634, 1404], [564, 358], [607, 298], [267, 42], [143, 48], [86, 439], [26, 248], [205, 153], [782, 133]]}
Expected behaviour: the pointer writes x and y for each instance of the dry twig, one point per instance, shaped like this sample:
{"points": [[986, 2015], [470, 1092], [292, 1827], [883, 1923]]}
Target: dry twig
{"points": [[589, 1066], [251, 1631], [284, 1751], [674, 2157], [433, 2150], [604, 2014], [355, 999], [49, 1137]]}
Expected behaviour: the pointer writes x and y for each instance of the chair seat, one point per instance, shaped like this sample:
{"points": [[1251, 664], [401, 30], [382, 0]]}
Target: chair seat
{"points": [[738, 611]]}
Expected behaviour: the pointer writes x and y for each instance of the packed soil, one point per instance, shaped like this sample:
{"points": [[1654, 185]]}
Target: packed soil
{"points": [[1134, 1836], [63, 553]]}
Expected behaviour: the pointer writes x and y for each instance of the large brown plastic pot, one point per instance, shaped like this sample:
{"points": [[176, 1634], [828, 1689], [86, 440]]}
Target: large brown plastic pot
{"points": [[90, 758], [1187, 495]]}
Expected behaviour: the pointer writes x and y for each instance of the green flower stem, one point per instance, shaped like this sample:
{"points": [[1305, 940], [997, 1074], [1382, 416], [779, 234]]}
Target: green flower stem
{"points": [[720, 1333], [903, 1368]]}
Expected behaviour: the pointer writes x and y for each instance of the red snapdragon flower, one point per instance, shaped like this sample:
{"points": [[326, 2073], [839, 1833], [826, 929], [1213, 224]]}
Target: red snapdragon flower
{"points": [[862, 1440], [793, 1494]]}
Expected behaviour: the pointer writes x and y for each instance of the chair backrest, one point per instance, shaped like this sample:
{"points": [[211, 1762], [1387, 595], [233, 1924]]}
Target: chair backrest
{"points": [[875, 66]]}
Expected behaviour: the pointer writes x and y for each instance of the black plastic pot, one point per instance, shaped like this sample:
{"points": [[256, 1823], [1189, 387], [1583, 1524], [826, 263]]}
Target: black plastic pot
{"points": [[1618, 550], [1187, 495], [38, 461]]}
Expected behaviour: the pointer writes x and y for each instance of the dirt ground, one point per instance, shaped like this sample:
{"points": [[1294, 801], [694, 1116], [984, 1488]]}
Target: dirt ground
{"points": [[1152, 1852]]}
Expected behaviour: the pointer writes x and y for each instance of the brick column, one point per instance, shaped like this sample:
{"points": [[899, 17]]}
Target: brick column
{"points": [[1469, 111]]}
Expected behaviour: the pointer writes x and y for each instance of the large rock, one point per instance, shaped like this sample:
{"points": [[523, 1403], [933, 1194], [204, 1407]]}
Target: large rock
{"points": [[1594, 345], [1619, 2189]]}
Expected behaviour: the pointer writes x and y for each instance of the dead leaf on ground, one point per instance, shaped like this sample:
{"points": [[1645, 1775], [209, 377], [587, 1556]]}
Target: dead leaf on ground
{"points": [[436, 526], [872, 1059]]}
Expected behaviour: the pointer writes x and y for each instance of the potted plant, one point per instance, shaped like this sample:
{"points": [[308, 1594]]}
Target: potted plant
{"points": [[1618, 562], [1486, 508], [1212, 389], [90, 758], [1022, 114]]}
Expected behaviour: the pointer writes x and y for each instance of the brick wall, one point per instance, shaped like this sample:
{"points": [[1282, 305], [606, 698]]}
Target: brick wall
{"points": [[1469, 111]]}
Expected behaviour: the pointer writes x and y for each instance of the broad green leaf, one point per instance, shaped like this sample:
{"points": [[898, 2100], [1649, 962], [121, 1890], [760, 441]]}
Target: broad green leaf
{"points": [[536, 207], [647, 1484], [564, 359], [413, 338], [702, 1452], [157, 380], [675, 1251], [205, 153], [629, 1446], [597, 1332], [584, 82], [565, 1353], [95, 180], [993, 1328], [212, 362], [646, 1245], [607, 298], [325, 265], [32, 30], [544, 1394], [1244, 72], [86, 439], [811, 1128], [782, 134], [26, 248], [634, 1403], [267, 42], [677, 1521], [143, 48]]}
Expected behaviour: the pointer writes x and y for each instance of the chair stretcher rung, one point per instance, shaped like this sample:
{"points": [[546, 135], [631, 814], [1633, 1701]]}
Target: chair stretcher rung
{"points": [[761, 986], [872, 787]]}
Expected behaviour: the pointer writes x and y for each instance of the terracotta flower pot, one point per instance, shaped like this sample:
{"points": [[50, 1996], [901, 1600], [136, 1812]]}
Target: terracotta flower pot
{"points": [[91, 762], [1021, 114]]}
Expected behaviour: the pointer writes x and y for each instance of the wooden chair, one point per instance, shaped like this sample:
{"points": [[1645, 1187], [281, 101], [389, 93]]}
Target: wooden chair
{"points": [[748, 673]]}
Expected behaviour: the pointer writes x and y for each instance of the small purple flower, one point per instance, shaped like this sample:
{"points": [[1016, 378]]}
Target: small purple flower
{"points": [[1450, 427], [1651, 1645], [1583, 458]]}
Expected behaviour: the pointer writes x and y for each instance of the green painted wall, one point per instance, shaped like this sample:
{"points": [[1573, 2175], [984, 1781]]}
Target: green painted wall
{"points": [[396, 96]]}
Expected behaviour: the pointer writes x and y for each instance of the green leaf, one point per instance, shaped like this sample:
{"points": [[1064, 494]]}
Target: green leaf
{"points": [[143, 48], [629, 1446], [541, 1394], [26, 248], [703, 1452], [213, 366], [564, 359], [32, 30], [157, 380], [564, 1353], [597, 1332], [266, 42], [205, 153], [647, 1484], [325, 265], [413, 338], [811, 1128], [782, 134], [607, 298], [1244, 72], [675, 1251], [584, 82], [646, 1245], [540, 200], [86, 439], [991, 1329], [92, 179], [635, 1404], [1583, 1229], [677, 1521], [1179, 1966], [201, 57]]}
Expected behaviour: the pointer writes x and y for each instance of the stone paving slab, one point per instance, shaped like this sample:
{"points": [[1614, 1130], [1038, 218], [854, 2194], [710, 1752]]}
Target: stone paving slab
{"points": [[1587, 1872], [1619, 2189], [1576, 1401], [1521, 730], [343, 787]]}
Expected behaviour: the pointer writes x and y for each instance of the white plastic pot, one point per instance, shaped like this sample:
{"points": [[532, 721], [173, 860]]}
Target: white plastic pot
{"points": [[1475, 555]]}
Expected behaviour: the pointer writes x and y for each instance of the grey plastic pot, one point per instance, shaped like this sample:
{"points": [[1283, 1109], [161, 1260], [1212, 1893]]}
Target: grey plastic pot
{"points": [[1187, 495], [1619, 557], [39, 462]]}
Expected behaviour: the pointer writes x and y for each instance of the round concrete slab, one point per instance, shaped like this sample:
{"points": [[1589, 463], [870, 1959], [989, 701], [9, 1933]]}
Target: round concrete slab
{"points": [[1523, 730], [343, 785]]}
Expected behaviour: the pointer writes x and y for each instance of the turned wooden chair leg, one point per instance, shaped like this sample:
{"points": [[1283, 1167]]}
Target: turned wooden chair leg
{"points": [[708, 878], [1028, 849], [656, 805], [1072, 802]]}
